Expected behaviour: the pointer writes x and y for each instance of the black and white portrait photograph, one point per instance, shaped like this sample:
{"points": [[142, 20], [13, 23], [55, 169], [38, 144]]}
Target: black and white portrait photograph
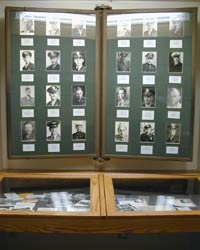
{"points": [[27, 60], [174, 98], [53, 95], [148, 97], [150, 27], [149, 61], [53, 130], [176, 27], [78, 130], [78, 27], [176, 62], [122, 97], [123, 61], [79, 61], [28, 131], [27, 95], [53, 27], [26, 25], [173, 131], [124, 28], [53, 60], [121, 131], [79, 96], [147, 131]]}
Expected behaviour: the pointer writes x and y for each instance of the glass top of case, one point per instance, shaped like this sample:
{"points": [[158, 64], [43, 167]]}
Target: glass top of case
{"points": [[157, 195], [45, 195]]}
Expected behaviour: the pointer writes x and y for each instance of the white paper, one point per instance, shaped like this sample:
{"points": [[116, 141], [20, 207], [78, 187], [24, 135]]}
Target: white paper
{"points": [[133, 203], [78, 146], [123, 79], [47, 209], [181, 202], [148, 115], [174, 114], [121, 148], [175, 79], [78, 78], [27, 77], [123, 43], [172, 150], [176, 44], [26, 41], [52, 148], [12, 196], [122, 113], [53, 42], [149, 43], [53, 78], [78, 112], [35, 196], [78, 42], [27, 112], [24, 205], [149, 80], [146, 150], [53, 112], [183, 208], [28, 147]]}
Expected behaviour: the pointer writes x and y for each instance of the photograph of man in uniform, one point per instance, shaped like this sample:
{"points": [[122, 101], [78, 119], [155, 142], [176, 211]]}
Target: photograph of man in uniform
{"points": [[79, 98], [173, 133], [121, 131], [78, 27], [53, 27], [78, 61], [149, 61], [175, 61], [148, 97], [124, 28], [53, 60], [147, 132], [123, 61], [122, 96], [28, 131], [27, 95], [176, 27], [78, 130], [53, 95], [174, 98], [53, 131], [26, 25], [150, 27], [27, 60]]}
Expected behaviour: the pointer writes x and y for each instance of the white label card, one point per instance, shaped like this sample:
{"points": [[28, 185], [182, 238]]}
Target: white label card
{"points": [[175, 79], [78, 78], [27, 112], [53, 112], [28, 147], [26, 41], [174, 114], [12, 196], [53, 42], [123, 79], [24, 205], [53, 78], [78, 146], [176, 44], [148, 115], [123, 43], [78, 42], [121, 113], [78, 112], [121, 148], [52, 148], [149, 80], [27, 77], [47, 209], [149, 43], [146, 150], [172, 150]]}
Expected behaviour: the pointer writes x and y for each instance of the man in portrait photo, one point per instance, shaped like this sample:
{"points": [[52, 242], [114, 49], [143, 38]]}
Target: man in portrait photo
{"points": [[78, 130], [173, 133], [53, 27], [53, 131], [53, 60], [79, 98], [175, 61], [176, 27], [174, 98], [121, 131], [123, 61], [53, 96], [28, 130], [27, 60], [148, 97], [149, 61], [147, 132], [78, 61], [124, 28], [26, 25], [79, 27], [27, 96], [122, 96], [149, 27]]}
